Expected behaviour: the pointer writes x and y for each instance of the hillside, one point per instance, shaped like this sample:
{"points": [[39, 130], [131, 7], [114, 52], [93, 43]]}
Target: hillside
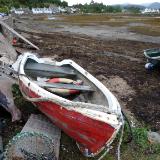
{"points": [[154, 5]]}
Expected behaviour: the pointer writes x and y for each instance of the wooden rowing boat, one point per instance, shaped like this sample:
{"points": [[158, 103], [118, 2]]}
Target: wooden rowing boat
{"points": [[89, 112]]}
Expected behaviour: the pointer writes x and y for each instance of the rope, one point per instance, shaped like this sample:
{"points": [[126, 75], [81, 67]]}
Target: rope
{"points": [[104, 154], [130, 138], [120, 142]]}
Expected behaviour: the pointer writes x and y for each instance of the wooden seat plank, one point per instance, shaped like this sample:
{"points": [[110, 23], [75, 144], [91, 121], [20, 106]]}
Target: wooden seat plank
{"points": [[64, 86], [47, 70]]}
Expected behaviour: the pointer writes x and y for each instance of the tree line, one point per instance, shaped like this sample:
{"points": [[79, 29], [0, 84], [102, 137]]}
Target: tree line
{"points": [[6, 5], [94, 7], [98, 8]]}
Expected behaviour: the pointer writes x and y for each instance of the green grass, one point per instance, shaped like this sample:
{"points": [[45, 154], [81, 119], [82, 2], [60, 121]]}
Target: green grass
{"points": [[108, 19], [140, 147], [151, 25], [93, 20], [146, 30], [153, 21], [140, 138]]}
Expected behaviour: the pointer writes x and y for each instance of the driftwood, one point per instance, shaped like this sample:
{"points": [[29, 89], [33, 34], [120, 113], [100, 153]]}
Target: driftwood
{"points": [[17, 34]]}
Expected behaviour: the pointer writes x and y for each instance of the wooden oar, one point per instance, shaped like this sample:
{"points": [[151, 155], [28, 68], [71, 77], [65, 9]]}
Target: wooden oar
{"points": [[17, 34]]}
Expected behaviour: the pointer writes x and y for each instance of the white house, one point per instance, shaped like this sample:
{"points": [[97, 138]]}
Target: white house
{"points": [[17, 11], [149, 10], [45, 10], [54, 9], [20, 11], [74, 10], [37, 10], [62, 10], [51, 10]]}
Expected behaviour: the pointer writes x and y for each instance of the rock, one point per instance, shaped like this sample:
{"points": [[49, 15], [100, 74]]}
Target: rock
{"points": [[6, 97], [153, 137]]}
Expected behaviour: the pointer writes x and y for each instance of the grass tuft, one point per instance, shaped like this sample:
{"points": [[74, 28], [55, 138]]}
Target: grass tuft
{"points": [[146, 30]]}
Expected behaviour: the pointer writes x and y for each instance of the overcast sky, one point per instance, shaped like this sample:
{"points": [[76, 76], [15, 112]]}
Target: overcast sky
{"points": [[109, 2]]}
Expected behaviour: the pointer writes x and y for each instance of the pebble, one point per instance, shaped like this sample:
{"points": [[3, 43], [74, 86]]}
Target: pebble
{"points": [[153, 137]]}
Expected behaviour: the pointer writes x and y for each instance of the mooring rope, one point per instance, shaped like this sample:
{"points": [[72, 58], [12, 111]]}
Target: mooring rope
{"points": [[120, 142], [130, 137]]}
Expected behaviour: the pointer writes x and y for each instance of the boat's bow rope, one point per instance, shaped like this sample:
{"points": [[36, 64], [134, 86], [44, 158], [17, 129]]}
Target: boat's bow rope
{"points": [[120, 142]]}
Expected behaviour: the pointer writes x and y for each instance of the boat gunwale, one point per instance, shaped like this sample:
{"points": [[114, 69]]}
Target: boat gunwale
{"points": [[25, 80], [63, 101]]}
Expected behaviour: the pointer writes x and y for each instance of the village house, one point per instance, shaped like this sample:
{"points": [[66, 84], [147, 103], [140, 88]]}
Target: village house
{"points": [[20, 11], [51, 10], [149, 10], [41, 10]]}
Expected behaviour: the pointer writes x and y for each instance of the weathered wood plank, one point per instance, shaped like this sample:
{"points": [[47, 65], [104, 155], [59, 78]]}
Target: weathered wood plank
{"points": [[17, 34], [64, 86], [43, 69]]}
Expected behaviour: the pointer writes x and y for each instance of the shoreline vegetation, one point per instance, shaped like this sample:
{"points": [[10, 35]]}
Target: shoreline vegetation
{"points": [[92, 7]]}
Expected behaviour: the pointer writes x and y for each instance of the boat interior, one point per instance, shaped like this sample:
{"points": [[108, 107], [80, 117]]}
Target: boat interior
{"points": [[64, 81], [155, 52]]}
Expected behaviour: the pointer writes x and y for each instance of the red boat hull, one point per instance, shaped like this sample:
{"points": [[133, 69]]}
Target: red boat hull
{"points": [[91, 133]]}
